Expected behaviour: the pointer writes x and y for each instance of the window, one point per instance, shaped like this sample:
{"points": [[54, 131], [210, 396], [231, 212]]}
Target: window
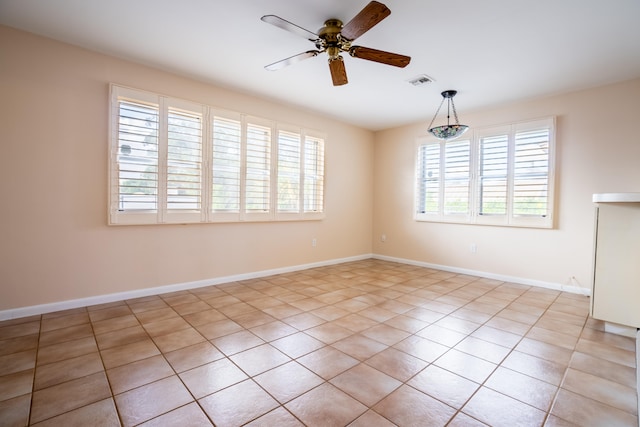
{"points": [[499, 176], [173, 161]]}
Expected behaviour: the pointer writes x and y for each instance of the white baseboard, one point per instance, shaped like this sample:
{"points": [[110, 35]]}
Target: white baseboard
{"points": [[15, 313], [501, 277]]}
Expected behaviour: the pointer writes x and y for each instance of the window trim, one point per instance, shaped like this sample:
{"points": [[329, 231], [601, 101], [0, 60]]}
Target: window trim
{"points": [[206, 213], [473, 215]]}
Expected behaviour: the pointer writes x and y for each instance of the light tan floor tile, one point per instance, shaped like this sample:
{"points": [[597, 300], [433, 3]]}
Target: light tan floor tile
{"points": [[621, 374], [359, 347], [421, 348], [115, 324], [179, 339], [136, 374], [18, 344], [193, 356], [68, 369], [366, 384], [288, 381], [15, 411], [121, 355], [149, 401], [327, 362], [188, 415], [237, 342], [102, 413], [219, 328], [488, 351], [440, 335], [586, 412], [466, 365], [120, 337], [371, 419], [273, 330], [238, 404], [19, 327], [602, 390], [444, 385], [524, 388], [16, 362], [61, 398], [66, 350], [408, 406], [17, 384], [66, 334], [212, 377], [396, 364], [297, 344], [259, 359], [326, 405], [535, 367], [498, 410]]}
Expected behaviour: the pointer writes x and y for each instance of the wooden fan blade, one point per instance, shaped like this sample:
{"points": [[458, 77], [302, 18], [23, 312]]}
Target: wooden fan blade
{"points": [[338, 71], [368, 17], [292, 60], [381, 56], [289, 26]]}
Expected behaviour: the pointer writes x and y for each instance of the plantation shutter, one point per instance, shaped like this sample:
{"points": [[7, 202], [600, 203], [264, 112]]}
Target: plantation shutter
{"points": [[313, 174], [428, 198], [176, 161], [457, 157], [258, 169], [531, 173], [493, 177], [226, 165], [184, 160], [288, 170], [137, 156]]}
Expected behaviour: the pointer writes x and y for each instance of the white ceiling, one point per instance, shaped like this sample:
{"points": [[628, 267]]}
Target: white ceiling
{"points": [[492, 51]]}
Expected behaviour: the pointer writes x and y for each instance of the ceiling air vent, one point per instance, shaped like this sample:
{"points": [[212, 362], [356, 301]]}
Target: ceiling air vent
{"points": [[420, 80]]}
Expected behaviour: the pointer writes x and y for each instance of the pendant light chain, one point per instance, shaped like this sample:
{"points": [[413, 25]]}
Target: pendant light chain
{"points": [[455, 113], [436, 115]]}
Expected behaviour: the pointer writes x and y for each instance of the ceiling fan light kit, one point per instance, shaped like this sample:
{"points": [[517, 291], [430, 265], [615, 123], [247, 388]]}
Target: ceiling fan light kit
{"points": [[449, 131], [334, 38]]}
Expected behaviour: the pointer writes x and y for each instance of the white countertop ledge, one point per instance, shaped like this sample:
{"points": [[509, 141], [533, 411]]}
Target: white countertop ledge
{"points": [[616, 198]]}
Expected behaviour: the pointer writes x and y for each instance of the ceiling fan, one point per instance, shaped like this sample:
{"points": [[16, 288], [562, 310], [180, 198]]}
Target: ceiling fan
{"points": [[335, 38]]}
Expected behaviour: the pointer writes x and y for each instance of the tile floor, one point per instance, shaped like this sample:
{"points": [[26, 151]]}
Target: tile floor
{"points": [[366, 343]]}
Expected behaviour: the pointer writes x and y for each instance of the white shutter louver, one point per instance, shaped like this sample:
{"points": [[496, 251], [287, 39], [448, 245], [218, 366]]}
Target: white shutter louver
{"points": [[313, 174], [258, 168], [226, 165], [184, 160], [457, 166], [429, 179], [493, 175], [137, 157], [288, 172], [531, 173]]}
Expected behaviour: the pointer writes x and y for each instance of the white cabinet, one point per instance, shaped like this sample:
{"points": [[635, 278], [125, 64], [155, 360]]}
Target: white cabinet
{"points": [[616, 276]]}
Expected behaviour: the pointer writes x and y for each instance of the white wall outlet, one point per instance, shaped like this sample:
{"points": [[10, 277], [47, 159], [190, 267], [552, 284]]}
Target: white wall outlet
{"points": [[473, 248], [314, 242], [383, 238]]}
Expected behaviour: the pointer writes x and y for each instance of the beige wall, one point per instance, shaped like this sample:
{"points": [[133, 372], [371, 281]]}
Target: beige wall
{"points": [[54, 241], [598, 151]]}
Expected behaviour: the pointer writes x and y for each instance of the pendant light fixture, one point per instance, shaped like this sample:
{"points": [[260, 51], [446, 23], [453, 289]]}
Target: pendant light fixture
{"points": [[448, 131]]}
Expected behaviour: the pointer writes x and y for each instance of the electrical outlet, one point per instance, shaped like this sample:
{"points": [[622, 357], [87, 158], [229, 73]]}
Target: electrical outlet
{"points": [[383, 238], [473, 248], [314, 242]]}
